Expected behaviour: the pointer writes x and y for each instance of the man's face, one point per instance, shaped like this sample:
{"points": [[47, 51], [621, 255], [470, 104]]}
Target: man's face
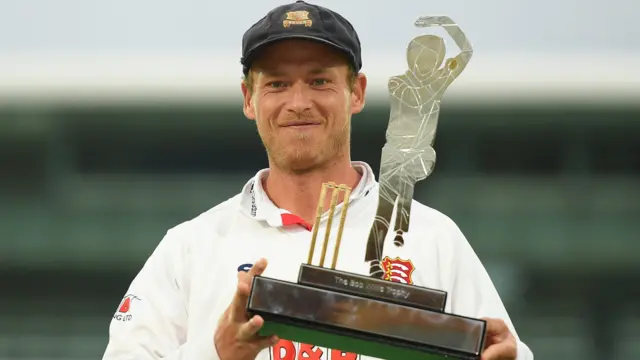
{"points": [[302, 101]]}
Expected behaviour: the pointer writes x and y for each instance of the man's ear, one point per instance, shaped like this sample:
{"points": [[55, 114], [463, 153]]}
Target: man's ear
{"points": [[358, 93], [247, 104]]}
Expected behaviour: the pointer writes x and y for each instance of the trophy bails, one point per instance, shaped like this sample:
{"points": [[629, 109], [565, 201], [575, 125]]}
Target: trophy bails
{"points": [[367, 314]]}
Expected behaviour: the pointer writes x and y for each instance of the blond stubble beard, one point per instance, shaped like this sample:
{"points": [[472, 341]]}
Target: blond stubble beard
{"points": [[305, 160]]}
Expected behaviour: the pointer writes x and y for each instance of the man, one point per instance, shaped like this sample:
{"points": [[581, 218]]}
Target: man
{"points": [[302, 85]]}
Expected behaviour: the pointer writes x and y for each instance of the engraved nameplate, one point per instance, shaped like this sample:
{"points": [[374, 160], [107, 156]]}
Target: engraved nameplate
{"points": [[373, 288]]}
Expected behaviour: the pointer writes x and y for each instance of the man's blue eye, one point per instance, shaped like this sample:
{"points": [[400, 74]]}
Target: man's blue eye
{"points": [[320, 81]]}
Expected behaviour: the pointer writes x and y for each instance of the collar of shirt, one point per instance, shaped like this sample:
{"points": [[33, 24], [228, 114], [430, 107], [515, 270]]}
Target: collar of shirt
{"points": [[257, 204]]}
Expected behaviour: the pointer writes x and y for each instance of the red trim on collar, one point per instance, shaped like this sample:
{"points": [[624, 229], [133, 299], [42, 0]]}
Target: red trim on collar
{"points": [[291, 219]]}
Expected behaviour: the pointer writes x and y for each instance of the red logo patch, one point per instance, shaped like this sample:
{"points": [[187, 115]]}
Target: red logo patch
{"points": [[123, 314], [398, 270], [125, 305]]}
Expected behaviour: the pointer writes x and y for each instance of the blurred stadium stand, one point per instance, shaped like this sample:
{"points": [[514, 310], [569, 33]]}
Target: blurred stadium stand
{"points": [[538, 163]]}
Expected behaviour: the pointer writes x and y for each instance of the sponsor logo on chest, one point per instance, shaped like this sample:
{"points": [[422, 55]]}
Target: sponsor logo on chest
{"points": [[289, 350]]}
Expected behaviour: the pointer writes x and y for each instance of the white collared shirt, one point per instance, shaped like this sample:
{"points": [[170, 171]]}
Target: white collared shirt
{"points": [[172, 307]]}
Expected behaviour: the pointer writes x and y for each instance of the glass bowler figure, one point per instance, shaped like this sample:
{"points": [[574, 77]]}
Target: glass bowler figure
{"points": [[408, 155]]}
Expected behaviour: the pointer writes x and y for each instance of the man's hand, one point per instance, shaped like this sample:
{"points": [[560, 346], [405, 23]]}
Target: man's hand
{"points": [[500, 344], [236, 336]]}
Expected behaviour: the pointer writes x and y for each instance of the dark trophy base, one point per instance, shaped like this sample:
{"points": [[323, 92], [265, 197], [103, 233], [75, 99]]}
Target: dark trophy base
{"points": [[363, 315]]}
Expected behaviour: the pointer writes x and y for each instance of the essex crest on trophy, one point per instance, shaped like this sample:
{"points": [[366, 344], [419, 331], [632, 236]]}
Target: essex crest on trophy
{"points": [[367, 314]]}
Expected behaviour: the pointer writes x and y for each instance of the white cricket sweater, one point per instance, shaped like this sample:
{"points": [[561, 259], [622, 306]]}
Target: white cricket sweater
{"points": [[171, 308]]}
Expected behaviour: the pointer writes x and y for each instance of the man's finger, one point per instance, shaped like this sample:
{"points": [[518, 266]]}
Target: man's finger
{"points": [[242, 275], [491, 340], [257, 268], [241, 296], [267, 341], [496, 327], [250, 328], [239, 302], [502, 351]]}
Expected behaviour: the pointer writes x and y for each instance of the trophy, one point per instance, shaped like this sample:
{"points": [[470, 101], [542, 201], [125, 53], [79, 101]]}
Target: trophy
{"points": [[367, 314]]}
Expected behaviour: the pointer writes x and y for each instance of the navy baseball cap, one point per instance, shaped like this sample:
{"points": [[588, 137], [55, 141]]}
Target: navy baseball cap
{"points": [[301, 20]]}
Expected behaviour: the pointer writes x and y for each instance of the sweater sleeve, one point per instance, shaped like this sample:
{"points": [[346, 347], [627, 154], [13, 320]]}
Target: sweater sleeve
{"points": [[151, 321]]}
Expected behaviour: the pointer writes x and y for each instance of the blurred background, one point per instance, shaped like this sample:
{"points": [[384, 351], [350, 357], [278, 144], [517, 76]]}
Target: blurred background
{"points": [[121, 119]]}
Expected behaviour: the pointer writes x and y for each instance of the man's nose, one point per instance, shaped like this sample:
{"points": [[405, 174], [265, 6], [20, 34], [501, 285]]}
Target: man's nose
{"points": [[300, 100]]}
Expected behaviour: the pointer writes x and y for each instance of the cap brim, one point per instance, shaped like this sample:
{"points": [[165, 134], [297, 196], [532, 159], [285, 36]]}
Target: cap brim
{"points": [[249, 57]]}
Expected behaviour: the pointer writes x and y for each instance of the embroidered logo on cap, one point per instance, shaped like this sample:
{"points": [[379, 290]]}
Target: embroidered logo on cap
{"points": [[297, 18]]}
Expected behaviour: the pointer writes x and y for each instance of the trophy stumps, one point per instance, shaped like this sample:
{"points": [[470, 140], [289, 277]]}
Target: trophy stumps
{"points": [[361, 314]]}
